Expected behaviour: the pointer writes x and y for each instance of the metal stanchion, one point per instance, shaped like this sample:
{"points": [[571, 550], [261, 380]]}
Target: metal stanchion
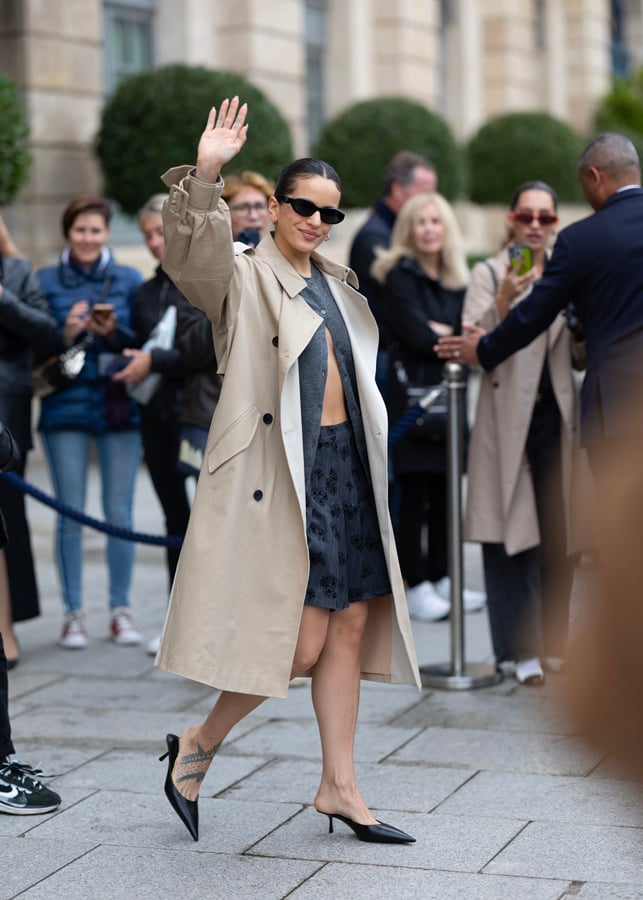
{"points": [[456, 675]]}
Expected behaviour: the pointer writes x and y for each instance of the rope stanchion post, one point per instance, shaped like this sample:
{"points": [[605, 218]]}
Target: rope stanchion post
{"points": [[456, 674]]}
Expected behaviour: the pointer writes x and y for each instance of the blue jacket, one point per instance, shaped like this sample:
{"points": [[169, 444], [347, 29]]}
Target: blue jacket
{"points": [[84, 405], [597, 264]]}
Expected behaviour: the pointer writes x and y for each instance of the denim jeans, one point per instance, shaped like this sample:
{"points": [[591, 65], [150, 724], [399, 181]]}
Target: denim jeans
{"points": [[119, 455]]}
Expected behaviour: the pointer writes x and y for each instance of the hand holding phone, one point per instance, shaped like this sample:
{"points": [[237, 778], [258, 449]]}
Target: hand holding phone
{"points": [[520, 258], [102, 311]]}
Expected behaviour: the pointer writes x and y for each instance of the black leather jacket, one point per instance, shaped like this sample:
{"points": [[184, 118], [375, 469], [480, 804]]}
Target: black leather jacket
{"points": [[202, 384], [27, 332]]}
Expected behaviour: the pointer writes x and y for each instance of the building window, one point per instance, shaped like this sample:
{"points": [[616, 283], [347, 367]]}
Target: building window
{"points": [[316, 41], [620, 55], [445, 34], [128, 40], [540, 30]]}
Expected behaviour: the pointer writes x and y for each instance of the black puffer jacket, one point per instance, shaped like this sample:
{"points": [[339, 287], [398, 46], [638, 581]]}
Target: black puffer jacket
{"points": [[27, 332]]}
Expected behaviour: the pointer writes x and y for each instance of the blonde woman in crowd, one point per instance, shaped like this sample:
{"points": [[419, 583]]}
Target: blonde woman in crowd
{"points": [[424, 276]]}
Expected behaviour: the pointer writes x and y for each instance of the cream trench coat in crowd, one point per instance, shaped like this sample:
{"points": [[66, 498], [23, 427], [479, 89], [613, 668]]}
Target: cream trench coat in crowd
{"points": [[501, 506], [238, 594]]}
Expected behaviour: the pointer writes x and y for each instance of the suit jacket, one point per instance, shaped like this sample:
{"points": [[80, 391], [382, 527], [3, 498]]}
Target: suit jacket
{"points": [[597, 264], [374, 233], [239, 589]]}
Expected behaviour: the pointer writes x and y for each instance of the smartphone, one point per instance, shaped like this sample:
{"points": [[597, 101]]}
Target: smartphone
{"points": [[110, 363], [520, 258], [102, 310]]}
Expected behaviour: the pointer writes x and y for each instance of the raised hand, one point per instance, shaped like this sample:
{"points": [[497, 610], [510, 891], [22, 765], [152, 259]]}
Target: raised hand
{"points": [[222, 139]]}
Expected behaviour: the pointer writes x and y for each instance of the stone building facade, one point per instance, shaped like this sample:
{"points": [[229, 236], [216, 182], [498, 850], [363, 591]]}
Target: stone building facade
{"points": [[467, 59]]}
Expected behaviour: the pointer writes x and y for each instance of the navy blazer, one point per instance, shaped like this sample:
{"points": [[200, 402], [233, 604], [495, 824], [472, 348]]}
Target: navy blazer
{"points": [[597, 264]]}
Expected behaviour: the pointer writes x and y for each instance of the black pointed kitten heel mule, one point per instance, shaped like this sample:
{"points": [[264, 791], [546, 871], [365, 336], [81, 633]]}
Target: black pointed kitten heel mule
{"points": [[381, 833], [186, 810]]}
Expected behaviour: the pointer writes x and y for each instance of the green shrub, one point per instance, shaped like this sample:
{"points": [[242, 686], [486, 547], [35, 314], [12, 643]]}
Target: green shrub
{"points": [[154, 121], [14, 131], [362, 139], [622, 109], [517, 147]]}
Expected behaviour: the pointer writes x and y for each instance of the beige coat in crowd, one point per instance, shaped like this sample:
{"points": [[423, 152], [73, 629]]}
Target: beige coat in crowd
{"points": [[238, 594], [501, 506]]}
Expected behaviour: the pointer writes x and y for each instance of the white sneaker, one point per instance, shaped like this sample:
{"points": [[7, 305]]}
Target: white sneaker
{"points": [[74, 634], [153, 645], [529, 671], [123, 627], [472, 601], [425, 604]]}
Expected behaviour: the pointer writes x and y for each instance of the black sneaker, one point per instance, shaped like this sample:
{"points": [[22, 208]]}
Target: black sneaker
{"points": [[21, 794]]}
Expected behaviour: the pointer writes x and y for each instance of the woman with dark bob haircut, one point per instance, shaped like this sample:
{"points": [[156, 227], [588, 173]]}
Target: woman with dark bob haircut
{"points": [[289, 565]]}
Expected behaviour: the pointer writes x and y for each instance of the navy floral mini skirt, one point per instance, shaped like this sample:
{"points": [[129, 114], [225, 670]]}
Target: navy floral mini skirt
{"points": [[344, 544]]}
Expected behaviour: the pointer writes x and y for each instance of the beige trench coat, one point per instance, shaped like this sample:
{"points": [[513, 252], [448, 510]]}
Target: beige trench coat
{"points": [[237, 598], [501, 506]]}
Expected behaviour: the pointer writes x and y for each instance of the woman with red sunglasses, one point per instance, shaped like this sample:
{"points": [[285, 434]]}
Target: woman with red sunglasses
{"points": [[521, 451]]}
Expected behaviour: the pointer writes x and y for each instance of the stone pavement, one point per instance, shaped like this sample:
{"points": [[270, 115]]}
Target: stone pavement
{"points": [[505, 801]]}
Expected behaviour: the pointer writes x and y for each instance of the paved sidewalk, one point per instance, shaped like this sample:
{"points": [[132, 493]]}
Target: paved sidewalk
{"points": [[505, 801]]}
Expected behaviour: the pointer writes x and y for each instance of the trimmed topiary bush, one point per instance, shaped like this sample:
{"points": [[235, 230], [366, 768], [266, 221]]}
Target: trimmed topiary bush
{"points": [[154, 121], [15, 159], [362, 139], [622, 109], [517, 147]]}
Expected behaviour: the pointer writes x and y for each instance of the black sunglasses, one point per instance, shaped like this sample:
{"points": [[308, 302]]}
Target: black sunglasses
{"points": [[306, 208]]}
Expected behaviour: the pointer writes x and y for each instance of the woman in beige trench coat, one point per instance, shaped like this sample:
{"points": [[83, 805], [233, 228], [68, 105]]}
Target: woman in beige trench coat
{"points": [[237, 618], [520, 465]]}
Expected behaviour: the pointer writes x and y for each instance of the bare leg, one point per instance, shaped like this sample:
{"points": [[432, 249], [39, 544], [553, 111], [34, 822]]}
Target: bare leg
{"points": [[6, 620], [335, 689], [199, 744]]}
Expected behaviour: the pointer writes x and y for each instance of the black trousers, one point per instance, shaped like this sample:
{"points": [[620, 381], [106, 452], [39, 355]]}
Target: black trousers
{"points": [[421, 532], [161, 450], [6, 747], [21, 571], [528, 593]]}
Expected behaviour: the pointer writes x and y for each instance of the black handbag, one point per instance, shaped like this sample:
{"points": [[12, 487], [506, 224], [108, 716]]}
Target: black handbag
{"points": [[61, 370]]}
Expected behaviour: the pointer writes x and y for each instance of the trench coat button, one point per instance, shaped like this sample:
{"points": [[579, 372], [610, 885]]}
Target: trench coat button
{"points": [[258, 495], [267, 419], [275, 341]]}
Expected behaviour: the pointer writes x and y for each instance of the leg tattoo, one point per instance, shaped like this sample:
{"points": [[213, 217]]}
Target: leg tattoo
{"points": [[193, 766]]}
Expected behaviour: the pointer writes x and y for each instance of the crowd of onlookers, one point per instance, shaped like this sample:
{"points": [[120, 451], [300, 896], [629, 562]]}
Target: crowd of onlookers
{"points": [[146, 386], [139, 393]]}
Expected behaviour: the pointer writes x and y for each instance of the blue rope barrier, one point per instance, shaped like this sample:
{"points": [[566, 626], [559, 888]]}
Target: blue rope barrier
{"points": [[71, 513], [412, 415]]}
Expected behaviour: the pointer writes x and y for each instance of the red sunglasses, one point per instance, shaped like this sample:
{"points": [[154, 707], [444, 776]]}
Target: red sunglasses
{"points": [[526, 218]]}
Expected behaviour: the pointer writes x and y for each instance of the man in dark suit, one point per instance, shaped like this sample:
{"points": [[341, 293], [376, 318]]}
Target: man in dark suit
{"points": [[597, 265]]}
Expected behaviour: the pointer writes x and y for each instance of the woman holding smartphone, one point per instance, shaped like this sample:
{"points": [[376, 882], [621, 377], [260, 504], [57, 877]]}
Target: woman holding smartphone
{"points": [[520, 453], [90, 297]]}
